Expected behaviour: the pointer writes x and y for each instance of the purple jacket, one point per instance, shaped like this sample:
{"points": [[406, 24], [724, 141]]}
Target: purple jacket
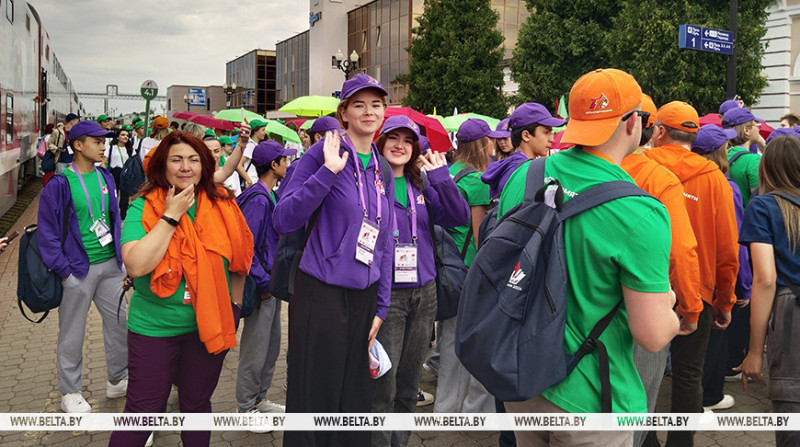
{"points": [[55, 199], [744, 280], [449, 210], [498, 172], [258, 214], [330, 253]]}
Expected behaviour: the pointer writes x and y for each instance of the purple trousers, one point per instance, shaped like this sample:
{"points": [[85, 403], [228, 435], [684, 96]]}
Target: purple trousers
{"points": [[153, 364]]}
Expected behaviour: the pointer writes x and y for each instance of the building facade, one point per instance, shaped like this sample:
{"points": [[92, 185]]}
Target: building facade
{"points": [[254, 74], [200, 99], [292, 68]]}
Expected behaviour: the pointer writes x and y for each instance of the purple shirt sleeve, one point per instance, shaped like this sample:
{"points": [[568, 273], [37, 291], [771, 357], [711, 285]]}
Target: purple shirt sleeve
{"points": [[447, 205], [51, 221]]}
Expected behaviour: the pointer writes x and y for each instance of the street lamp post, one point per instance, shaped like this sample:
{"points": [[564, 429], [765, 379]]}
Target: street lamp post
{"points": [[348, 66], [187, 101], [229, 91]]}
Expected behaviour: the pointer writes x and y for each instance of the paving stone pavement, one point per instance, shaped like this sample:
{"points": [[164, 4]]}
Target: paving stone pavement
{"points": [[28, 383]]}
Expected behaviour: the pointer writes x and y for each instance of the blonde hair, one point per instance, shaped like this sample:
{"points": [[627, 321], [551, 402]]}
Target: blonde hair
{"points": [[473, 153]]}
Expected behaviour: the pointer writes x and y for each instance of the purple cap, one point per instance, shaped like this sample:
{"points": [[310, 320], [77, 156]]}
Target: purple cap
{"points": [[267, 151], [360, 82], [400, 121], [503, 128], [424, 144], [782, 131], [324, 124], [533, 113], [729, 104], [474, 129], [89, 128], [710, 138], [737, 116]]}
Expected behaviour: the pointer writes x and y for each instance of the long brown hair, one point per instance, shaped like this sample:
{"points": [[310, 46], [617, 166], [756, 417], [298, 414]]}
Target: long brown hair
{"points": [[411, 168], [157, 167], [720, 157], [473, 153], [779, 171]]}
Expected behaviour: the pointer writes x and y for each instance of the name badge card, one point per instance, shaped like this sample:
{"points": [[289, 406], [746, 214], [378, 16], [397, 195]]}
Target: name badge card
{"points": [[102, 232], [405, 263], [367, 239]]}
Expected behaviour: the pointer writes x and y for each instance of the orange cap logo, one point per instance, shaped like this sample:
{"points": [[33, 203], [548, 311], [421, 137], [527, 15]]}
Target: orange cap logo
{"points": [[599, 102]]}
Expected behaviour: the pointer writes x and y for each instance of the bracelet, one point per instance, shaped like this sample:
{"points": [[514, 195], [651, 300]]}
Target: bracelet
{"points": [[169, 220]]}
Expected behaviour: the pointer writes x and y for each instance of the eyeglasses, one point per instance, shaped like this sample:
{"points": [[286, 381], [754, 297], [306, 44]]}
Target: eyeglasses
{"points": [[645, 116]]}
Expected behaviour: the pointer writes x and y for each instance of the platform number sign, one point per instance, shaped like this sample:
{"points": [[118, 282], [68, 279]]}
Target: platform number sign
{"points": [[149, 89]]}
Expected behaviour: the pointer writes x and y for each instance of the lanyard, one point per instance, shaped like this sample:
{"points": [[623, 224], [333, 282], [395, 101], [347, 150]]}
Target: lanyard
{"points": [[86, 192], [119, 151], [360, 183], [395, 230]]}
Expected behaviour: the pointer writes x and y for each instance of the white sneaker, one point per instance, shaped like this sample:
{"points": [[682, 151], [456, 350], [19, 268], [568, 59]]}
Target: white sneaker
{"points": [[726, 402], [118, 390], [424, 398], [268, 406], [74, 403], [254, 411], [149, 441]]}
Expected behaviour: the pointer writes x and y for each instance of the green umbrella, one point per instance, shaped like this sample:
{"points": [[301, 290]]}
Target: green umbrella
{"points": [[455, 121], [307, 125], [311, 105], [235, 115], [273, 126]]}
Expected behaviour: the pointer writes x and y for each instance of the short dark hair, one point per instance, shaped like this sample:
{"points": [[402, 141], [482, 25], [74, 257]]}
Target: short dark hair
{"points": [[680, 136], [793, 119], [81, 138], [516, 134], [174, 124], [263, 169]]}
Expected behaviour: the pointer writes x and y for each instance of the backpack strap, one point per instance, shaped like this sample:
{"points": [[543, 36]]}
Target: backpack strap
{"points": [[535, 179], [463, 173], [597, 195], [736, 156], [793, 199], [593, 342]]}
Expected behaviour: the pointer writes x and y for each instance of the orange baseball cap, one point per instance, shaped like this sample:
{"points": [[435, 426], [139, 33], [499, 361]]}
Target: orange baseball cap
{"points": [[597, 103], [679, 115], [650, 107], [160, 123]]}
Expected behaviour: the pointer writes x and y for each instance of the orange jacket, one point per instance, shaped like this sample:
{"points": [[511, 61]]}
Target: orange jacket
{"points": [[196, 251], [684, 268], [709, 202]]}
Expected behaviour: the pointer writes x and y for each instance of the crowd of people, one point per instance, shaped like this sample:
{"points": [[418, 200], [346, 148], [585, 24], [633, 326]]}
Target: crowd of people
{"points": [[716, 228]]}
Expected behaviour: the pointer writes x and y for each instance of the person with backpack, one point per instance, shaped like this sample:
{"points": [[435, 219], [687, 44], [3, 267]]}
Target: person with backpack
{"points": [[58, 143], [711, 144], [260, 343], [616, 255], [342, 290], [743, 163], [424, 195], [709, 203], [770, 229], [89, 262]]}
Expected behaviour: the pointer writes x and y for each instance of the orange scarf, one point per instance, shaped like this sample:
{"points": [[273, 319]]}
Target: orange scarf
{"points": [[195, 252]]}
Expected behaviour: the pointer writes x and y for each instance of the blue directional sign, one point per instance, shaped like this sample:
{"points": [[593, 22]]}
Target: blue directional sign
{"points": [[700, 38]]}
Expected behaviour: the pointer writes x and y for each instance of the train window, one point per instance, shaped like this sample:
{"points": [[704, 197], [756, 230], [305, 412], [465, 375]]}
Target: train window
{"points": [[10, 10], [28, 22], [9, 119]]}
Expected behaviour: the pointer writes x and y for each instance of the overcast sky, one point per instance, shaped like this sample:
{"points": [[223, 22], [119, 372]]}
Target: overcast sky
{"points": [[124, 42]]}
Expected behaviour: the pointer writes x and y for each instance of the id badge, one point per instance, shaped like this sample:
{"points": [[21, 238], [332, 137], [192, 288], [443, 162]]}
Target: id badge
{"points": [[102, 232], [405, 263], [187, 297], [367, 239]]}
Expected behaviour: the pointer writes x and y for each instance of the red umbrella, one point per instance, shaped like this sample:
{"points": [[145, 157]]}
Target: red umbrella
{"points": [[183, 115], [210, 121], [557, 145], [432, 128], [711, 118]]}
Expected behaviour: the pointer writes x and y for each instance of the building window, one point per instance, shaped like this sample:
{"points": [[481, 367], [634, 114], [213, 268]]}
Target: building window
{"points": [[377, 37], [10, 10], [9, 119]]}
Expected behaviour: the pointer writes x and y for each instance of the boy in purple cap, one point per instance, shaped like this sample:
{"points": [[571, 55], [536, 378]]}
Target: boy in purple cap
{"points": [[89, 261], [261, 336], [743, 163]]}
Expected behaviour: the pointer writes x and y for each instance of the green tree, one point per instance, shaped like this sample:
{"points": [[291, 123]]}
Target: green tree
{"points": [[640, 37], [455, 57]]}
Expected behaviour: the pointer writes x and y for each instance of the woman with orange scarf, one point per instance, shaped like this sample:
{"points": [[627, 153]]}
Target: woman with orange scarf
{"points": [[186, 244]]}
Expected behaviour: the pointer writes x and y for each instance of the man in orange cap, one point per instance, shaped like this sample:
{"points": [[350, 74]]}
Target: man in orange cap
{"points": [[709, 203], [615, 251], [684, 269]]}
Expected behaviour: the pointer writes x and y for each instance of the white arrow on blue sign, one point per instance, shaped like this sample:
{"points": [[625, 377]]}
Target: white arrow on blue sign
{"points": [[700, 38]]}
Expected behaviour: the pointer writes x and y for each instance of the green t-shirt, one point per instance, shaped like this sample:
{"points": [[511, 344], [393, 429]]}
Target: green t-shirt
{"points": [[222, 159], [364, 158], [96, 252], [476, 193], [149, 314], [744, 171], [622, 242], [400, 190]]}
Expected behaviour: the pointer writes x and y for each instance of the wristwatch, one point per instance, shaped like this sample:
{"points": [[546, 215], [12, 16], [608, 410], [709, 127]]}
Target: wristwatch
{"points": [[169, 220]]}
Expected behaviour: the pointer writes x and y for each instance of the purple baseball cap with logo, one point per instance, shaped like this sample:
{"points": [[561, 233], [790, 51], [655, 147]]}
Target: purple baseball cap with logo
{"points": [[89, 128], [400, 121], [360, 82], [533, 112], [737, 116], [475, 129], [503, 128], [267, 151], [710, 138]]}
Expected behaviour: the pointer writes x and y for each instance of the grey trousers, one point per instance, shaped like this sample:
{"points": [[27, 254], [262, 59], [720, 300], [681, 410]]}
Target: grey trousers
{"points": [[103, 285], [563, 438], [651, 371], [258, 351], [405, 334], [457, 391], [783, 360]]}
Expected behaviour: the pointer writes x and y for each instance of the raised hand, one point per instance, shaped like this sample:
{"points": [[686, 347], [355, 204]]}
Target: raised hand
{"points": [[176, 205], [333, 160], [432, 160], [244, 132]]}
